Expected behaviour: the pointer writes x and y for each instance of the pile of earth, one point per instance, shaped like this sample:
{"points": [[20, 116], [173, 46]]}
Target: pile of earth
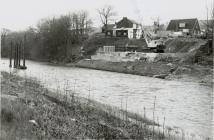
{"points": [[183, 45], [199, 51]]}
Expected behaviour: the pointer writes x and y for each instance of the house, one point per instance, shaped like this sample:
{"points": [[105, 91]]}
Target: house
{"points": [[184, 26], [127, 28], [124, 28], [108, 30]]}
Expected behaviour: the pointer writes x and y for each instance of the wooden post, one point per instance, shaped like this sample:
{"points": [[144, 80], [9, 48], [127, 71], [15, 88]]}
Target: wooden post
{"points": [[19, 54], [17, 45], [213, 38], [24, 51], [10, 65], [14, 56]]}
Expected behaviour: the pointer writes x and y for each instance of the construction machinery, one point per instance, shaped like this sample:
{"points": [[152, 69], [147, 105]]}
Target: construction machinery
{"points": [[154, 44]]}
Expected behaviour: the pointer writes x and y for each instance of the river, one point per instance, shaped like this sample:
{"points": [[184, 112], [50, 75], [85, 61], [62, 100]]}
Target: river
{"points": [[186, 105]]}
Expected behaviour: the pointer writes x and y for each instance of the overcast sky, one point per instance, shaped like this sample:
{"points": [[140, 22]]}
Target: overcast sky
{"points": [[20, 14]]}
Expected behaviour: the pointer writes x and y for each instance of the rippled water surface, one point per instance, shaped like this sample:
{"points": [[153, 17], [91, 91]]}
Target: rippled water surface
{"points": [[187, 105]]}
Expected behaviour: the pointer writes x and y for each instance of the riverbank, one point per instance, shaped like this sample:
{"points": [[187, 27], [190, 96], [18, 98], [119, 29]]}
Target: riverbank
{"points": [[30, 111], [137, 68], [185, 59], [163, 70], [178, 68]]}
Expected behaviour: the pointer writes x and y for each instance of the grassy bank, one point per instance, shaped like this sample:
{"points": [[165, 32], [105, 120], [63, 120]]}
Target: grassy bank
{"points": [[164, 70], [137, 68], [30, 111]]}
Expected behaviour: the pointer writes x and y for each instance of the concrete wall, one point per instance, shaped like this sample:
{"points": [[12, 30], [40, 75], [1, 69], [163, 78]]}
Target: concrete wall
{"points": [[106, 49], [115, 57], [134, 56]]}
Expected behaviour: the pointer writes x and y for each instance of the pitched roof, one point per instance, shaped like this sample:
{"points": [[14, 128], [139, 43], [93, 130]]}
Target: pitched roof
{"points": [[189, 24], [125, 22]]}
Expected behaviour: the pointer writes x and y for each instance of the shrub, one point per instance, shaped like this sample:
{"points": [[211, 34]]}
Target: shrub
{"points": [[6, 115]]}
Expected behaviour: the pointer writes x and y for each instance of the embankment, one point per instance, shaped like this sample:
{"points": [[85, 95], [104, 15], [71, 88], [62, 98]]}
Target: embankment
{"points": [[163, 70], [137, 67], [184, 58], [30, 111]]}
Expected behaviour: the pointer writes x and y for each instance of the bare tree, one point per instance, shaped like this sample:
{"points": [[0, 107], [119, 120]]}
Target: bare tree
{"points": [[82, 16], [106, 13], [213, 10], [85, 22], [209, 23], [212, 17], [81, 23], [4, 33], [75, 23]]}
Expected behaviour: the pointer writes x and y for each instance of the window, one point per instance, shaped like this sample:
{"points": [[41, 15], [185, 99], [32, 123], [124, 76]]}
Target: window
{"points": [[182, 25]]}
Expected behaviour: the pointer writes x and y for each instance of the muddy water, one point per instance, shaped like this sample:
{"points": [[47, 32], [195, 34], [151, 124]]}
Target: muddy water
{"points": [[186, 105]]}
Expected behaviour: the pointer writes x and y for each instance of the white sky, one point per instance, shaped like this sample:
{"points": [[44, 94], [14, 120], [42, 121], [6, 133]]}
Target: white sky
{"points": [[20, 14]]}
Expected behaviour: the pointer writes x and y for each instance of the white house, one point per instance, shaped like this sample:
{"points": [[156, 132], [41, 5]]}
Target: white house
{"points": [[127, 28], [124, 28]]}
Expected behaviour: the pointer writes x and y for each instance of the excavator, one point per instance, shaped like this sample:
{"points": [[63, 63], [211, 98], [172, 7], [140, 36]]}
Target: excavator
{"points": [[154, 44]]}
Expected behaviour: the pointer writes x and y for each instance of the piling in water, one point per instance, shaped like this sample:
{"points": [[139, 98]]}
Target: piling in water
{"points": [[24, 51], [14, 56], [19, 54], [11, 45]]}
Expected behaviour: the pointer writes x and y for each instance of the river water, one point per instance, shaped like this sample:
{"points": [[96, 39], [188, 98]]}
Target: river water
{"points": [[186, 105]]}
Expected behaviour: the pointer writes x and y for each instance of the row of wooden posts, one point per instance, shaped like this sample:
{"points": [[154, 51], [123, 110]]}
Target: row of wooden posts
{"points": [[17, 53]]}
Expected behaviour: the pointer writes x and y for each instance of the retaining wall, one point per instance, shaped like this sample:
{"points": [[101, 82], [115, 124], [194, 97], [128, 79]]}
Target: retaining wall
{"points": [[134, 56]]}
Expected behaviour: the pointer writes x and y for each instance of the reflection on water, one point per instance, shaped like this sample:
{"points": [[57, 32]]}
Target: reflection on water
{"points": [[187, 105]]}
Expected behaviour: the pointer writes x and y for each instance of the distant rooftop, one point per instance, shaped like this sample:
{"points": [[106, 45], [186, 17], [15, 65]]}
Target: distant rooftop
{"points": [[125, 22], [190, 23]]}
